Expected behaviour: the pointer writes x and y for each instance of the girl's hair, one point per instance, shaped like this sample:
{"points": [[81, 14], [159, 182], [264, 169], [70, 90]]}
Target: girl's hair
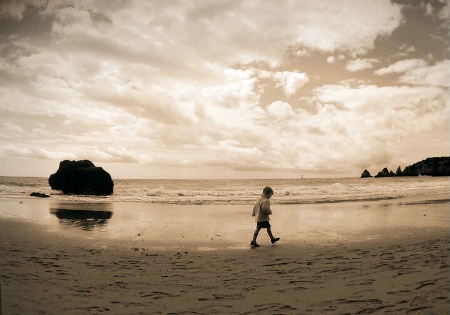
{"points": [[267, 191]]}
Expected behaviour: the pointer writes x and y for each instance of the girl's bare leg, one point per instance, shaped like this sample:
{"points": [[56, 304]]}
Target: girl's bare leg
{"points": [[269, 231], [255, 235]]}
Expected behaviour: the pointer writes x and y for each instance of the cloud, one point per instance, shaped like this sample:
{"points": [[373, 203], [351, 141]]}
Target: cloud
{"points": [[405, 51], [290, 81], [370, 98], [402, 66], [120, 155], [369, 122], [11, 127], [333, 59], [172, 28], [16, 8], [34, 152], [388, 112], [361, 64], [280, 110], [443, 14], [436, 10], [436, 75], [235, 84], [418, 72]]}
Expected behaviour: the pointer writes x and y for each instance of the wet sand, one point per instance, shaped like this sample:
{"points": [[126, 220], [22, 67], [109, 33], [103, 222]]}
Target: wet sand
{"points": [[359, 258]]}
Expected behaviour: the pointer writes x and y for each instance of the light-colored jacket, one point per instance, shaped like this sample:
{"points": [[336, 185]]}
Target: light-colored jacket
{"points": [[261, 210]]}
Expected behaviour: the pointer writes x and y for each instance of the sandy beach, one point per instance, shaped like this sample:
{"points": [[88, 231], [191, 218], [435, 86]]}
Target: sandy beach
{"points": [[364, 258]]}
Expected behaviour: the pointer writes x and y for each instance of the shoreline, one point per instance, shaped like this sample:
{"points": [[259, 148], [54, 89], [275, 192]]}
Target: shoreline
{"points": [[238, 192], [228, 226], [370, 257]]}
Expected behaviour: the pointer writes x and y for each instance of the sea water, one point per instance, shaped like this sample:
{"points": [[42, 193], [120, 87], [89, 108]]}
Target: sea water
{"points": [[217, 213], [239, 191]]}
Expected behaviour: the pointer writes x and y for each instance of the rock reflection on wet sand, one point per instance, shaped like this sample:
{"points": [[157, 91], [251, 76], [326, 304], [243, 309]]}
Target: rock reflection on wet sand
{"points": [[84, 219]]}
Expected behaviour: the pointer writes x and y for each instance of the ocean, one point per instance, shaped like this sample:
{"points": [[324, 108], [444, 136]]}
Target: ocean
{"points": [[211, 214], [239, 191]]}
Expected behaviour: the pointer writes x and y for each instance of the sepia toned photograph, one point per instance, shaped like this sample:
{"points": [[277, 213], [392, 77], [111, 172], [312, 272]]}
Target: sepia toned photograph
{"points": [[224, 157]]}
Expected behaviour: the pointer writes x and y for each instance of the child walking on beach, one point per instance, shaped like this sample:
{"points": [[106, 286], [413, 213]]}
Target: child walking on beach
{"points": [[261, 212]]}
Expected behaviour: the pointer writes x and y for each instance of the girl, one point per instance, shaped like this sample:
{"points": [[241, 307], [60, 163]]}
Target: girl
{"points": [[261, 212]]}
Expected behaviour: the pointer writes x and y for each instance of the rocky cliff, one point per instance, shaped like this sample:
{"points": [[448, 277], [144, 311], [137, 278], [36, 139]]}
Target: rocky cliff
{"points": [[434, 166]]}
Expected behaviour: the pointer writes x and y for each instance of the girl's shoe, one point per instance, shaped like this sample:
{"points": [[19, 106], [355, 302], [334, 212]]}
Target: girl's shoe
{"points": [[254, 244], [275, 239]]}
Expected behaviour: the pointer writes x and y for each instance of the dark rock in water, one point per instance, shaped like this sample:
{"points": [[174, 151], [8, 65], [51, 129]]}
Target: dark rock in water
{"points": [[385, 173], [81, 177], [365, 174], [38, 194]]}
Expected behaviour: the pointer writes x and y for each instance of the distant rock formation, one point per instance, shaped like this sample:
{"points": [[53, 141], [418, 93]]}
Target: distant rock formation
{"points": [[385, 173], [81, 177], [365, 174], [434, 166]]}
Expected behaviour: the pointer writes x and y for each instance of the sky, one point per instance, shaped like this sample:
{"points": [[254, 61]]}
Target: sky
{"points": [[223, 89]]}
